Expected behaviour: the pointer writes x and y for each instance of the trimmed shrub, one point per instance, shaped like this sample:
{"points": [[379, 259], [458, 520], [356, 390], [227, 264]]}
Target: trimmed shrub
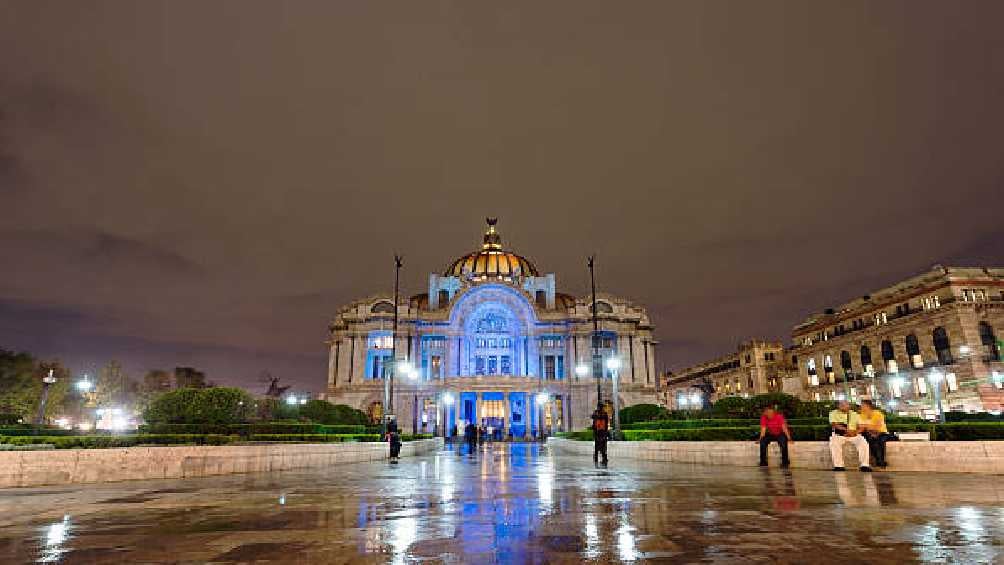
{"points": [[642, 413], [31, 430], [973, 417], [968, 431], [324, 412], [218, 405], [97, 442], [413, 437], [316, 438]]}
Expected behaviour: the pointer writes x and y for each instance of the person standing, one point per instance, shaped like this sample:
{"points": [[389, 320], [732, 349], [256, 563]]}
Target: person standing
{"points": [[844, 429], [394, 439], [872, 426], [773, 427], [471, 435], [601, 433]]}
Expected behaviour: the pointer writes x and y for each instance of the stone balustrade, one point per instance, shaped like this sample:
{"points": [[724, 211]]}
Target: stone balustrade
{"points": [[927, 456], [71, 466]]}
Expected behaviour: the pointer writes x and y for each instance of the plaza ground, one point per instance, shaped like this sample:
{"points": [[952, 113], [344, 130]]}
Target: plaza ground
{"points": [[513, 503]]}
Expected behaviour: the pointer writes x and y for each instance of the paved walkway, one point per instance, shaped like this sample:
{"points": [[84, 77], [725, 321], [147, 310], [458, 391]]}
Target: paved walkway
{"points": [[513, 504]]}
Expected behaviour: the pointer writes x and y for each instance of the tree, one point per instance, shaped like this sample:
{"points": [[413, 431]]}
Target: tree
{"points": [[189, 377], [114, 387], [21, 386]]}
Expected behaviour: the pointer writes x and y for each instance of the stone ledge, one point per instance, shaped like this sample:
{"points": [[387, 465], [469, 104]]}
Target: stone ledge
{"points": [[71, 466], [933, 456]]}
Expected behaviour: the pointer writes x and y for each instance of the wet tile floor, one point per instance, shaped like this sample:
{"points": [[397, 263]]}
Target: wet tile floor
{"points": [[513, 504]]}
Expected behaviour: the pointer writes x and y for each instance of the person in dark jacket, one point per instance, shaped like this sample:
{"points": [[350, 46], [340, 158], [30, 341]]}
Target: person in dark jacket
{"points": [[601, 434], [394, 438], [471, 436]]}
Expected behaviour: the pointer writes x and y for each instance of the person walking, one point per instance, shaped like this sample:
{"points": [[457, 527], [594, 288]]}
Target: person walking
{"points": [[872, 426], [844, 429], [601, 434], [773, 427]]}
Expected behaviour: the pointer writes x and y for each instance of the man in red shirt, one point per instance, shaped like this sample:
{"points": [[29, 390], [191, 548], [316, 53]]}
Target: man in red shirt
{"points": [[773, 427]]}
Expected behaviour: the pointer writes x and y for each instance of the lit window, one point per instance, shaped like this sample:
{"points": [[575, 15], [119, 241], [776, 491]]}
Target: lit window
{"points": [[816, 396], [920, 385], [814, 379], [951, 382]]}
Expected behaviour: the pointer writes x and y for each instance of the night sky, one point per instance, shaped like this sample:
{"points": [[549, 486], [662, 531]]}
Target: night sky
{"points": [[205, 183]]}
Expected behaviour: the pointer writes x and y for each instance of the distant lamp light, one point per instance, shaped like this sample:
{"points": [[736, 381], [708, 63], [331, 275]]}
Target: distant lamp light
{"points": [[403, 367], [896, 382], [291, 400], [892, 403], [964, 349], [682, 400], [303, 401], [542, 398], [935, 377], [448, 399], [695, 398], [84, 385], [581, 370], [614, 363]]}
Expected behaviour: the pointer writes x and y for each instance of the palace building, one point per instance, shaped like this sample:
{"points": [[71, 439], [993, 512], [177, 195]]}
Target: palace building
{"points": [[930, 338], [492, 342], [757, 367]]}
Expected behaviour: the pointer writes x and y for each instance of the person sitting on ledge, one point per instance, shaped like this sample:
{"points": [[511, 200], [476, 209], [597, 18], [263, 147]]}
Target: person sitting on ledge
{"points": [[871, 424], [773, 427], [844, 426]]}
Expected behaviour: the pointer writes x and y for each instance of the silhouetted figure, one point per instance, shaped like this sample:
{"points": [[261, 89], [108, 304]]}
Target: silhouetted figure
{"points": [[394, 438], [471, 437], [601, 434]]}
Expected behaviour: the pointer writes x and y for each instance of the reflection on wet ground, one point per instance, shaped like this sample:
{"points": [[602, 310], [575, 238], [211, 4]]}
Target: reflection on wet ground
{"points": [[513, 504]]}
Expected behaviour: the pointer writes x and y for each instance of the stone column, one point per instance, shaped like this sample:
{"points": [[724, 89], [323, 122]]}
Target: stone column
{"points": [[478, 405]]}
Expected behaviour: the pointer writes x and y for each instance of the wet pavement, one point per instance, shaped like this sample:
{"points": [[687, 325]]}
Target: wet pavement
{"points": [[513, 504]]}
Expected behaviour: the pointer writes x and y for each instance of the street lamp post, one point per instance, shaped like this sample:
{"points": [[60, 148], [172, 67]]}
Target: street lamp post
{"points": [[614, 364], [935, 378], [388, 378], [47, 381], [596, 333]]}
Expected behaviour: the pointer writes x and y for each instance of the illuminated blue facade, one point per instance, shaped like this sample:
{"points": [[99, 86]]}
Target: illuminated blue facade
{"points": [[492, 342]]}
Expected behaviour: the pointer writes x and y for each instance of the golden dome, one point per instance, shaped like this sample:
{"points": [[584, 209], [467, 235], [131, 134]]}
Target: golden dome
{"points": [[491, 262]]}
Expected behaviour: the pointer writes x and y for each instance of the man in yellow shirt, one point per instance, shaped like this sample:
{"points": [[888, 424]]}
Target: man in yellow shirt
{"points": [[844, 425], [871, 424]]}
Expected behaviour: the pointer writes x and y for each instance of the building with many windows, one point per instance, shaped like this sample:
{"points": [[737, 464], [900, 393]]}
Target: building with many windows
{"points": [[934, 333], [493, 342], [757, 367]]}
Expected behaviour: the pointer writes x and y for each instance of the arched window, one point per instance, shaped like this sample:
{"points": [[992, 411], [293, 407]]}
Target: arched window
{"points": [[845, 360], [887, 352], [942, 346], [913, 351], [866, 356], [989, 341], [828, 364], [810, 365], [382, 307]]}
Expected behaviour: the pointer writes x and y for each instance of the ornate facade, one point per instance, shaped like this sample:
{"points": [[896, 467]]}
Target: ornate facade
{"points": [[936, 332], [757, 367], [491, 342]]}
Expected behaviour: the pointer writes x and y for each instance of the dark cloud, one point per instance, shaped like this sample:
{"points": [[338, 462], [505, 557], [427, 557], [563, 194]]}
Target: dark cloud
{"points": [[228, 175]]}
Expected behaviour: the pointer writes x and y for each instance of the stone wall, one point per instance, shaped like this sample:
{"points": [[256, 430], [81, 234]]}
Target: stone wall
{"points": [[69, 466], [931, 456]]}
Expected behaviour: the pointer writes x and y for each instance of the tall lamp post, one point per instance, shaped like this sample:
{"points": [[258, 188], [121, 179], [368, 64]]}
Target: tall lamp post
{"points": [[935, 377], [85, 386], [596, 332], [408, 370], [447, 404], [614, 364], [48, 380], [388, 380]]}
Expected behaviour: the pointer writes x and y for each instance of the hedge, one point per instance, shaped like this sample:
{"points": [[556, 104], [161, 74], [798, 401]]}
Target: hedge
{"points": [[91, 442], [960, 431], [315, 438], [267, 428], [30, 430]]}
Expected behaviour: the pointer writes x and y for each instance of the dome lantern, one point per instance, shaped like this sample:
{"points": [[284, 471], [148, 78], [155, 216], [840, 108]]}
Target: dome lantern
{"points": [[492, 262]]}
